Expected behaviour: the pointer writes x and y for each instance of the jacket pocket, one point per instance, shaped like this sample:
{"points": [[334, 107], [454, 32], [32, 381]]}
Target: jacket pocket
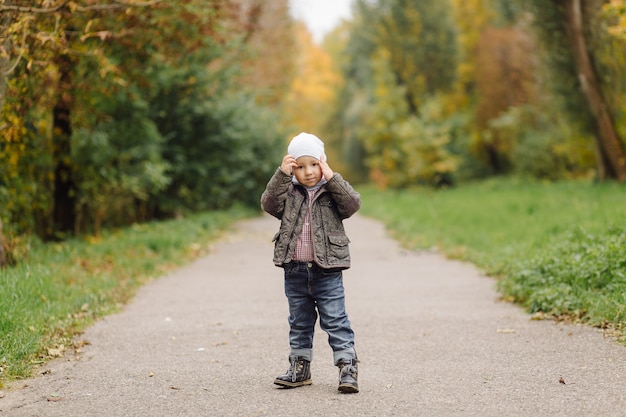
{"points": [[338, 248]]}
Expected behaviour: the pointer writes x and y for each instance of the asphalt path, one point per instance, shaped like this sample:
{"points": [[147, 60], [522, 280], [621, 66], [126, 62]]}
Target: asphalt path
{"points": [[431, 334]]}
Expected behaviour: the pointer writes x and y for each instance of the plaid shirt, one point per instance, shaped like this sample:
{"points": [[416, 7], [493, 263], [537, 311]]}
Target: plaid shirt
{"points": [[304, 247]]}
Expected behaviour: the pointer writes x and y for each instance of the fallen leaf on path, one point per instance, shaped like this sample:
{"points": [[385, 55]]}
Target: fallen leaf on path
{"points": [[81, 343], [505, 331], [174, 387], [539, 316], [54, 398]]}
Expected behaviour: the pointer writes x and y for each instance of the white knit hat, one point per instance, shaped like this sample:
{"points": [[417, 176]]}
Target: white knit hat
{"points": [[306, 144]]}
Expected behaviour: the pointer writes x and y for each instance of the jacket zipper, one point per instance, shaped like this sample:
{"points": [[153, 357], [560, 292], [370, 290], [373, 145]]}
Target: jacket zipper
{"points": [[293, 226]]}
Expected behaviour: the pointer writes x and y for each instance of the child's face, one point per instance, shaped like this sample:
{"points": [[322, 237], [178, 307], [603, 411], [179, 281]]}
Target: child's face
{"points": [[309, 171]]}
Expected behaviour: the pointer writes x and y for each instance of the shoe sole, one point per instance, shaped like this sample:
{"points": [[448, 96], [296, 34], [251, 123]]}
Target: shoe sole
{"points": [[348, 389], [287, 384]]}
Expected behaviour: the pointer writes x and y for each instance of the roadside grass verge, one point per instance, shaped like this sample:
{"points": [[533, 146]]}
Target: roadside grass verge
{"points": [[558, 249], [63, 287]]}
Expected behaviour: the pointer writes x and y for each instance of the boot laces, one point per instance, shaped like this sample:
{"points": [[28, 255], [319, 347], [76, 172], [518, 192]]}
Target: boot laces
{"points": [[348, 368], [296, 366]]}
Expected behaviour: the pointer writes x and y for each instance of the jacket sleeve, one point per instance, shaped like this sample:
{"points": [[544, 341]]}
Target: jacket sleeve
{"points": [[275, 194], [347, 199]]}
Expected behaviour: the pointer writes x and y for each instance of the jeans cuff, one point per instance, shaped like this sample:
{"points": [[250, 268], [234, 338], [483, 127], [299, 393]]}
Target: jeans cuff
{"points": [[303, 353], [347, 354]]}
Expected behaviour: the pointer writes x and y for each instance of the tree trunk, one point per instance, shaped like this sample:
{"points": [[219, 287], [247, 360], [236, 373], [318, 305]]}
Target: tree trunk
{"points": [[64, 212], [611, 149]]}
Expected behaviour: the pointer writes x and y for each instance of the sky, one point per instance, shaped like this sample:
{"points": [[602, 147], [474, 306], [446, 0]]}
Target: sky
{"points": [[320, 16]]}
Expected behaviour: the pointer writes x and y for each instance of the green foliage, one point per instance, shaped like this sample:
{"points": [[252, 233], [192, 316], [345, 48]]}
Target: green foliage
{"points": [[504, 76], [228, 156], [548, 24], [551, 148], [585, 91], [66, 286], [405, 149], [580, 274], [389, 103], [118, 162], [412, 33], [558, 248], [155, 119], [25, 161]]}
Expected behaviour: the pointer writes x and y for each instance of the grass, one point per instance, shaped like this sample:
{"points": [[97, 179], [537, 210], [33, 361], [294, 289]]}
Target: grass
{"points": [[64, 287], [556, 248]]}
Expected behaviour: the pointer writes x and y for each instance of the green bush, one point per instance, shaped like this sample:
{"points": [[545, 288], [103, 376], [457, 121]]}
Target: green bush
{"points": [[579, 274]]}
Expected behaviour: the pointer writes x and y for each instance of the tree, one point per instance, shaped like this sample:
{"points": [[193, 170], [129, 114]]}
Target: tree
{"points": [[505, 79], [53, 38], [266, 68], [404, 149], [401, 57], [100, 91], [563, 28], [313, 86], [416, 33], [472, 18]]}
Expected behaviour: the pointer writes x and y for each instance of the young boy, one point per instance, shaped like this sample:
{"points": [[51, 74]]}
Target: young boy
{"points": [[311, 246]]}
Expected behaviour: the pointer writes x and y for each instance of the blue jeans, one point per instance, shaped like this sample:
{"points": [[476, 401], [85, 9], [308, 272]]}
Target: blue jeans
{"points": [[311, 290]]}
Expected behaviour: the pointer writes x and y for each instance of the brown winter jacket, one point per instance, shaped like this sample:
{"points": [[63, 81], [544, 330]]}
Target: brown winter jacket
{"points": [[335, 201]]}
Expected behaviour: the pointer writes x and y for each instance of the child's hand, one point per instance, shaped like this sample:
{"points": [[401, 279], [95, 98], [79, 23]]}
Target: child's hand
{"points": [[288, 164], [326, 171]]}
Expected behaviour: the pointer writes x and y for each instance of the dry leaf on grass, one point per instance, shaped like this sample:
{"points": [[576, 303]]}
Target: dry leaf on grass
{"points": [[56, 352]]}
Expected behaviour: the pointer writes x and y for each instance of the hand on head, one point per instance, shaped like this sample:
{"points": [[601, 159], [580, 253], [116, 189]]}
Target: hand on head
{"points": [[288, 164], [326, 170]]}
